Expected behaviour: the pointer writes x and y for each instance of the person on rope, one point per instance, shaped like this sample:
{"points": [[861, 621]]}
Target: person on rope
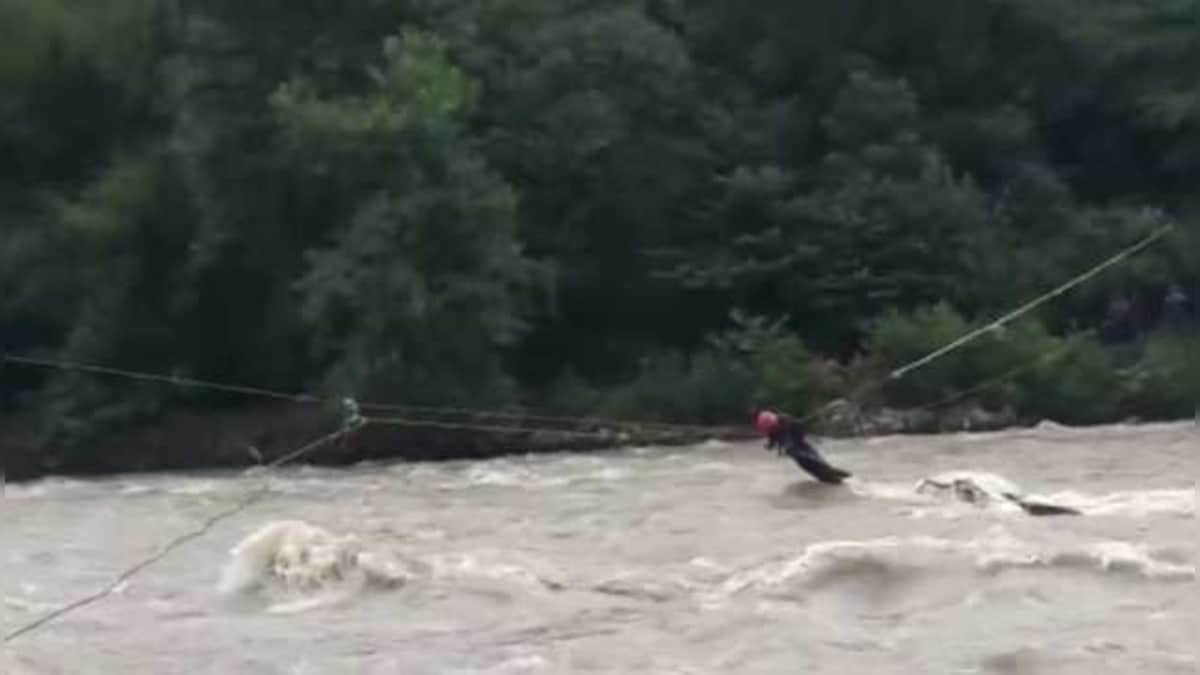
{"points": [[786, 436]]}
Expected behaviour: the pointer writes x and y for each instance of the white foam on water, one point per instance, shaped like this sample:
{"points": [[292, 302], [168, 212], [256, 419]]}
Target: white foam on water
{"points": [[610, 474], [989, 554], [715, 467], [523, 664], [296, 566], [994, 485], [502, 473], [885, 491], [1115, 557], [953, 494], [496, 475], [135, 489], [947, 495], [828, 556], [497, 566], [525, 661], [1134, 503], [583, 460], [45, 488], [665, 583], [186, 488]]}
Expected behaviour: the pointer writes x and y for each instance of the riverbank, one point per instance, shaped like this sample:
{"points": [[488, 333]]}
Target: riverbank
{"points": [[187, 440], [184, 440]]}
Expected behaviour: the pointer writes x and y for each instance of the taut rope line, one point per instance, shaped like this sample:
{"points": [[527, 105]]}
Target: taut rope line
{"points": [[998, 323]]}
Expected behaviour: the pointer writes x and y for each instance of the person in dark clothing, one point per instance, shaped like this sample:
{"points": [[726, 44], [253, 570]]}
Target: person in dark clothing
{"points": [[786, 436], [1119, 327], [1177, 311]]}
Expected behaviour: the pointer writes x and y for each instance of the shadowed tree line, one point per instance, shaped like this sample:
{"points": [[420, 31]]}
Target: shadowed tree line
{"points": [[666, 209]]}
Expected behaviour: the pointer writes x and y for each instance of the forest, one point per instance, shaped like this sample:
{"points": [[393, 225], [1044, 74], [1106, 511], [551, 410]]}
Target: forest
{"points": [[652, 209]]}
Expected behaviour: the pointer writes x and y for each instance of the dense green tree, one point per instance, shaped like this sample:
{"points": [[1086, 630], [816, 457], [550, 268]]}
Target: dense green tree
{"points": [[480, 201], [884, 222], [424, 279]]}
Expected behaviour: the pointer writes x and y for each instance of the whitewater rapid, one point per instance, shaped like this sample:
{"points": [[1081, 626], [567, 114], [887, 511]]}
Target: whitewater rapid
{"points": [[715, 558]]}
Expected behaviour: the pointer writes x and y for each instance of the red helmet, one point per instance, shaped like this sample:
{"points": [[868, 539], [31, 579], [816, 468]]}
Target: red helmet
{"points": [[766, 422]]}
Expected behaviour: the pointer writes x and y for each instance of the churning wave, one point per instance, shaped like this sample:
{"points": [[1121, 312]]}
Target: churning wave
{"points": [[492, 565], [1134, 503], [507, 473], [663, 584], [294, 566], [896, 562], [993, 493], [822, 563]]}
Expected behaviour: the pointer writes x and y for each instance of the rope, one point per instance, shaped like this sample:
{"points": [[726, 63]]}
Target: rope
{"points": [[953, 398], [382, 407], [563, 419], [356, 421], [497, 429], [586, 420], [1044, 358], [487, 428], [154, 377], [1029, 306], [211, 522], [996, 324]]}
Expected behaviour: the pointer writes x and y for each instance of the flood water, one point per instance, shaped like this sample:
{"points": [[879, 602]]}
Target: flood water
{"points": [[718, 558]]}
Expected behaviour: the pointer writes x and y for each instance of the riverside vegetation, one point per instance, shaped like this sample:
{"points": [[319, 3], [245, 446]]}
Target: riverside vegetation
{"points": [[657, 210]]}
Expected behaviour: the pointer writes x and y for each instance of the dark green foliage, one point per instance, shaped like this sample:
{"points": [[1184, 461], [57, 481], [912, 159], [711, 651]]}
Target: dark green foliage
{"points": [[752, 364], [1072, 380], [117, 275], [424, 279], [482, 203], [1166, 383], [1079, 386], [1003, 356]]}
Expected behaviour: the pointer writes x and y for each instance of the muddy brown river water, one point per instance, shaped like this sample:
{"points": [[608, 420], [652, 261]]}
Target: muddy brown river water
{"points": [[720, 558]]}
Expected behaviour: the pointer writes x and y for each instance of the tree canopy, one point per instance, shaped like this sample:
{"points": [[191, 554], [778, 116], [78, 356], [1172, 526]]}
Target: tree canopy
{"points": [[474, 202]]}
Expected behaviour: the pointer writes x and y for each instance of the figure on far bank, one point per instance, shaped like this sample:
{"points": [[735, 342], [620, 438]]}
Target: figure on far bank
{"points": [[1119, 326], [1177, 309]]}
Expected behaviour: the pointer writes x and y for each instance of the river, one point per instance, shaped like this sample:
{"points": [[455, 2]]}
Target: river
{"points": [[720, 558]]}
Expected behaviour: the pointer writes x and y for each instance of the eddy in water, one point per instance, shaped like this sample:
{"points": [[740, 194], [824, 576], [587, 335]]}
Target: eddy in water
{"points": [[786, 436]]}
